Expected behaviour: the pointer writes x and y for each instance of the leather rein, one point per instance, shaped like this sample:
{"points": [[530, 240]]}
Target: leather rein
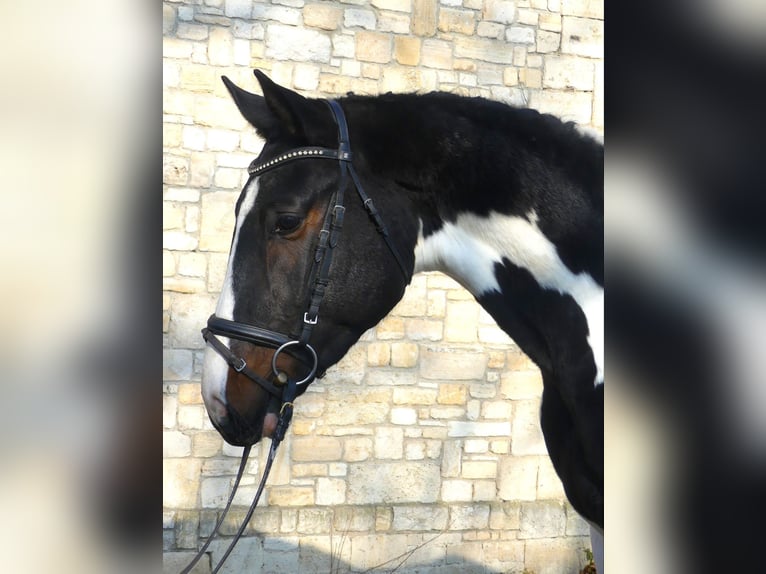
{"points": [[279, 385]]}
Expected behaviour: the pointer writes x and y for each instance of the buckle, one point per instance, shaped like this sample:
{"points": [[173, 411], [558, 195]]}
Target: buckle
{"points": [[310, 321], [239, 367]]}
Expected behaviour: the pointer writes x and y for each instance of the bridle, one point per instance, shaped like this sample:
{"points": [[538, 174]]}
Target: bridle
{"points": [[280, 386]]}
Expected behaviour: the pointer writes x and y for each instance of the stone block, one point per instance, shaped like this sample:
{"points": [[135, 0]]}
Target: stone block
{"points": [[220, 50], [492, 30], [308, 469], [384, 516], [190, 394], [414, 450], [394, 22], [378, 354], [520, 35], [461, 322], [180, 483], [175, 444], [452, 394], [475, 446], [460, 21], [322, 16], [314, 520], [582, 37], [217, 223], [424, 14], [169, 409], [583, 8], [569, 106], [484, 491], [366, 413], [505, 516], [547, 41], [414, 396], [183, 285], [403, 416], [470, 428], [176, 364], [353, 519], [404, 355], [358, 17], [389, 443], [419, 518], [299, 44], [342, 46], [568, 72], [500, 446], [479, 469], [238, 8], [395, 5], [187, 316], [456, 491], [548, 483], [177, 561], [527, 436], [373, 47], [191, 417], [206, 444], [499, 11], [517, 478], [175, 170], [550, 22], [446, 412], [469, 517], [357, 449], [306, 77], [275, 13], [201, 170], [316, 449], [497, 410], [483, 49], [517, 385], [446, 363], [555, 555], [393, 482], [417, 329], [390, 328], [527, 17], [452, 457], [542, 519], [291, 496], [407, 50], [176, 48]]}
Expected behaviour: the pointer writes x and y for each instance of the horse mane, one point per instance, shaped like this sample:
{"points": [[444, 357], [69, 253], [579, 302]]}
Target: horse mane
{"points": [[441, 128]]}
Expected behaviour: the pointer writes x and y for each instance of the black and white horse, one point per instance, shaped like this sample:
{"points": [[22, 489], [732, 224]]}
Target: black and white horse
{"points": [[507, 201]]}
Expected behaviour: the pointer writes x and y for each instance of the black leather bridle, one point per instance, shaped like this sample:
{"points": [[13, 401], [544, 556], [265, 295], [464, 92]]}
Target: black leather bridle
{"points": [[279, 385]]}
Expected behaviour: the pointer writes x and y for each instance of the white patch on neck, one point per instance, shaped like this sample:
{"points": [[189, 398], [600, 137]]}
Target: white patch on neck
{"points": [[215, 369], [469, 248]]}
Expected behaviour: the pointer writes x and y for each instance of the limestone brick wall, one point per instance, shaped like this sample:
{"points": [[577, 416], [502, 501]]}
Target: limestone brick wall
{"points": [[423, 443]]}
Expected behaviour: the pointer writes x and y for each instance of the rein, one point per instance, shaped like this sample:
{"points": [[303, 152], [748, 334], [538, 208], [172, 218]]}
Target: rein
{"points": [[281, 386]]}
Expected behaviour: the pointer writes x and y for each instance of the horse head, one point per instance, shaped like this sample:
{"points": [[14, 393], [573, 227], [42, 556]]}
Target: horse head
{"points": [[308, 270]]}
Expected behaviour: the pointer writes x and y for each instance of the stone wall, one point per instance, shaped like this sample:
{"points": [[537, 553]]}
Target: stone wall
{"points": [[424, 441]]}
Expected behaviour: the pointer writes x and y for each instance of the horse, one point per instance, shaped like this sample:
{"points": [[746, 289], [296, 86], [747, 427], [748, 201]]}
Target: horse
{"points": [[506, 200]]}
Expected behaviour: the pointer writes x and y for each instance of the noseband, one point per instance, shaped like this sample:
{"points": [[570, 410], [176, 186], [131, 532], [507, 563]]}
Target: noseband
{"points": [[285, 390]]}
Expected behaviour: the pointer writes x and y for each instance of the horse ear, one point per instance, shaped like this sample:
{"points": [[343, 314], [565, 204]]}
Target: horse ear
{"points": [[291, 109], [254, 109]]}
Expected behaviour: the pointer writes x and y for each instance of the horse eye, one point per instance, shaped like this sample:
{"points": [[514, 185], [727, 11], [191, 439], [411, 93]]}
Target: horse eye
{"points": [[287, 222]]}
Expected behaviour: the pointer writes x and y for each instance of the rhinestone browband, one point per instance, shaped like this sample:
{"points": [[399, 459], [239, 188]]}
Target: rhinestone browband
{"points": [[300, 153]]}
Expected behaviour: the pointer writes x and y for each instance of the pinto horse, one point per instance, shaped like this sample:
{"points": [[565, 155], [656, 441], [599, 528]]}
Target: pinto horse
{"points": [[507, 201]]}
